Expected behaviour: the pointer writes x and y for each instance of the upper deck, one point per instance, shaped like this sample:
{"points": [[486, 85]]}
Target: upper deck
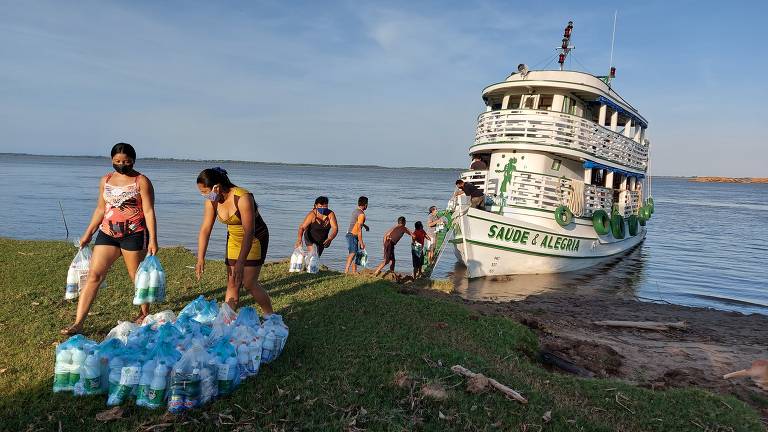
{"points": [[575, 113]]}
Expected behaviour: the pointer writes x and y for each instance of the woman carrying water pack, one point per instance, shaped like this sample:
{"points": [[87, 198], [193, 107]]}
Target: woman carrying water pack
{"points": [[319, 227], [125, 220], [247, 235]]}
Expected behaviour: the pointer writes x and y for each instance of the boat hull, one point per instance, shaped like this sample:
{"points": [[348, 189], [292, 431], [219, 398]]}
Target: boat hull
{"points": [[492, 245]]}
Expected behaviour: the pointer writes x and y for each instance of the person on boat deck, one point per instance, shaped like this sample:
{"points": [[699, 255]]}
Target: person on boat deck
{"points": [[247, 235], [478, 164], [125, 220], [433, 220], [476, 196], [391, 238], [417, 248], [319, 227], [355, 241]]}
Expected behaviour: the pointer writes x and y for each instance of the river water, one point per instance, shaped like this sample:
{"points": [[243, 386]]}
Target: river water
{"points": [[707, 243]]}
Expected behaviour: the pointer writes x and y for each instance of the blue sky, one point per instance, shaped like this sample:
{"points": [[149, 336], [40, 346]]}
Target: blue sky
{"points": [[353, 82]]}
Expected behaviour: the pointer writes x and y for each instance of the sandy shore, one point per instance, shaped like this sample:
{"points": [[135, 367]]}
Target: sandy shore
{"points": [[714, 343]]}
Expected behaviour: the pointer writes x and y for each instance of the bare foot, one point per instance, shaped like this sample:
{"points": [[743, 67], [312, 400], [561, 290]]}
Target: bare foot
{"points": [[72, 330], [139, 318]]}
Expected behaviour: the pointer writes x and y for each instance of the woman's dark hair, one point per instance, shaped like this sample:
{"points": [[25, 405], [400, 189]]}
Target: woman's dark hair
{"points": [[211, 177], [419, 225], [363, 200], [401, 220], [321, 200], [123, 148]]}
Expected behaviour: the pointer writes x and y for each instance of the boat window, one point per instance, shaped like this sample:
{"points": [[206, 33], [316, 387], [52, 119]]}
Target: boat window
{"points": [[598, 177], [556, 165], [496, 106], [529, 102], [617, 181], [545, 102], [569, 105]]}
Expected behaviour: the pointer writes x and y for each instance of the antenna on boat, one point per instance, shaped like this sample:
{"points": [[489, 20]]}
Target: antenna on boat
{"points": [[566, 47], [612, 70]]}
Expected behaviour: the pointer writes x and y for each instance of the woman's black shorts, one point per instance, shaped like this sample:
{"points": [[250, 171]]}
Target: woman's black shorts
{"points": [[132, 242]]}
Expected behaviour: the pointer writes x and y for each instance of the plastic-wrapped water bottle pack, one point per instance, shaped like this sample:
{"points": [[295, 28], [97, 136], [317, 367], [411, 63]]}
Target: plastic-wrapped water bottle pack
{"points": [[180, 362]]}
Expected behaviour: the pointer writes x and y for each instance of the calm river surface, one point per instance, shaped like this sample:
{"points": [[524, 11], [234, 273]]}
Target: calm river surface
{"points": [[707, 243]]}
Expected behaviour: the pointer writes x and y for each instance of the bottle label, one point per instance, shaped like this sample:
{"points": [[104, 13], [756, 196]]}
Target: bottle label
{"points": [[129, 376], [61, 380], [92, 384], [155, 397], [223, 372]]}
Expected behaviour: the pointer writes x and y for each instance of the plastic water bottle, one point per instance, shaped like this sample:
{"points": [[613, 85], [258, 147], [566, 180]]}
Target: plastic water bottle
{"points": [[227, 374], [292, 266], [160, 295], [314, 264], [254, 350], [61, 371], [92, 375], [178, 400], [243, 357], [154, 285], [156, 393], [130, 375], [194, 388], [142, 287], [78, 360], [209, 387], [115, 368], [147, 373], [72, 284], [299, 262], [268, 350]]}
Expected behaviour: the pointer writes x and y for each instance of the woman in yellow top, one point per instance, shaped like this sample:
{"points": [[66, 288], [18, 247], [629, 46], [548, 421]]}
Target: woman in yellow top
{"points": [[247, 235]]}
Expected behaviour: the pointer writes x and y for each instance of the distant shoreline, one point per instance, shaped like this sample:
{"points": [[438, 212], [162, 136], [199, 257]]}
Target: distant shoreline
{"points": [[729, 179], [243, 161]]}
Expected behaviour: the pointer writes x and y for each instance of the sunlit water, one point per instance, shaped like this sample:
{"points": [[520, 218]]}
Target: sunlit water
{"points": [[707, 243]]}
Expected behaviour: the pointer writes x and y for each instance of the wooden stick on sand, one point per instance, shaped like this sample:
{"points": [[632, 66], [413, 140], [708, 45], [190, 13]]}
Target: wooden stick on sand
{"points": [[644, 325], [460, 370]]}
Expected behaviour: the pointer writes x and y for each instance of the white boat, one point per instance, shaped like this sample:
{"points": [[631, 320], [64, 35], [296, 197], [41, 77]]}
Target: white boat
{"points": [[565, 181]]}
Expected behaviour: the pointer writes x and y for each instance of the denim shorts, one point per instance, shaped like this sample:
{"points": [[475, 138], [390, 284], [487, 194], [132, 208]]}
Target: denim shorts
{"points": [[352, 243]]}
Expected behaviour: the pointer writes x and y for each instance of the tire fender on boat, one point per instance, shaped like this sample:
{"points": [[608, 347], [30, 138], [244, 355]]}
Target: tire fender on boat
{"points": [[632, 224], [563, 215], [601, 222], [617, 227]]}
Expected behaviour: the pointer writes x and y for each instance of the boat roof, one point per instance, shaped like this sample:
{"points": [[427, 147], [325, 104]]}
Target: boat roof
{"points": [[586, 86]]}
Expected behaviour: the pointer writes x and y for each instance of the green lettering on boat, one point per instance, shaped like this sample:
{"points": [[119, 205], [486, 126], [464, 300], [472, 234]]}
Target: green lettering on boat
{"points": [[492, 231], [557, 242], [524, 238]]}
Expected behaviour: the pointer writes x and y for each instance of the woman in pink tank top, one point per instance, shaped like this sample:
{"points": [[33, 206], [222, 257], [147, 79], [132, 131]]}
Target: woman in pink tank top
{"points": [[125, 221]]}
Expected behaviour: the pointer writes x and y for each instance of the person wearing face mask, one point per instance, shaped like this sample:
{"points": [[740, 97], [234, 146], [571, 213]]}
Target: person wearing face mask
{"points": [[247, 235], [125, 220], [319, 227]]}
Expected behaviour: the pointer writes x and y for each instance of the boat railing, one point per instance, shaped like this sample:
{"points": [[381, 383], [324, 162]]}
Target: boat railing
{"points": [[537, 191], [560, 130], [629, 202], [480, 180], [597, 198]]}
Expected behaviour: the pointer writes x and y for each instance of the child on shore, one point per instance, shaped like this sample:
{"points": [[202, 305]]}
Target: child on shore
{"points": [[390, 240], [417, 249]]}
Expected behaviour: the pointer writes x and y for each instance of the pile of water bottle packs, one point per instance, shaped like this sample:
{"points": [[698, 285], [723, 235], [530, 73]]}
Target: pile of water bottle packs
{"points": [[180, 362]]}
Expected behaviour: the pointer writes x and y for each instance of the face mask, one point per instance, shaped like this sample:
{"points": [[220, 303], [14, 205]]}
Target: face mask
{"points": [[122, 169], [212, 195], [323, 211]]}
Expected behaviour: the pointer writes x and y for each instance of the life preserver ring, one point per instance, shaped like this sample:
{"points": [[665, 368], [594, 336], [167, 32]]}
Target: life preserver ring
{"points": [[617, 227], [563, 215], [601, 222], [632, 224]]}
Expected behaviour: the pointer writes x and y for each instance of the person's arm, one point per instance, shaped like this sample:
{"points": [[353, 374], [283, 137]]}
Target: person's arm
{"points": [[147, 193], [407, 231], [361, 221], [209, 218], [334, 230], [433, 222], [247, 213], [97, 217], [303, 227]]}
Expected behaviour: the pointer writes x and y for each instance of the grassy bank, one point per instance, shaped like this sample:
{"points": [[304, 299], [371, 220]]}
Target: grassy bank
{"points": [[349, 337]]}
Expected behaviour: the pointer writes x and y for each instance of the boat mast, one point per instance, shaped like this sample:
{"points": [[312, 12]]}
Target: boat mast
{"points": [[612, 70], [566, 47]]}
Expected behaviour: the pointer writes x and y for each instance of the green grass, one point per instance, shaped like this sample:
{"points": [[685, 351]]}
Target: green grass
{"points": [[348, 337]]}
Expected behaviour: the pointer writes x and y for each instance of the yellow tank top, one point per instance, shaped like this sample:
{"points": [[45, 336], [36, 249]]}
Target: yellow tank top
{"points": [[234, 224]]}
